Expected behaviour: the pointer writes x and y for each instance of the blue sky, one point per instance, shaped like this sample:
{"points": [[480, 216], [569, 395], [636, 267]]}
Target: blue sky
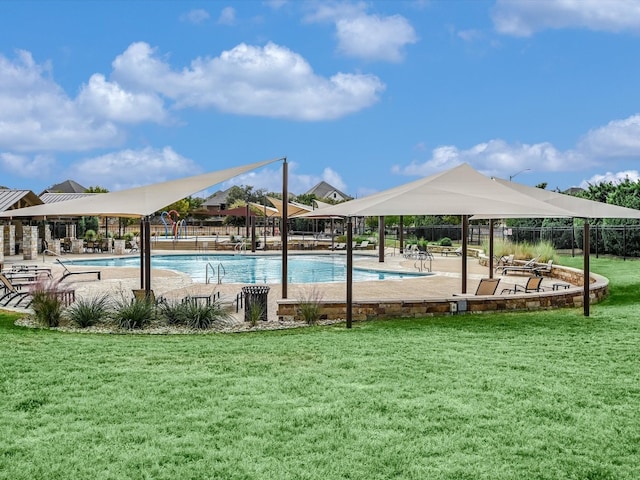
{"points": [[364, 95]]}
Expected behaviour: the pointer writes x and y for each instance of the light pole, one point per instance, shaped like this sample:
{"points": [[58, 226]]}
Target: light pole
{"points": [[511, 177]]}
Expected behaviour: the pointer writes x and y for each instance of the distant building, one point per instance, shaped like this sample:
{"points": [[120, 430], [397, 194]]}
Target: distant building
{"points": [[325, 191], [68, 186], [12, 199], [573, 190]]}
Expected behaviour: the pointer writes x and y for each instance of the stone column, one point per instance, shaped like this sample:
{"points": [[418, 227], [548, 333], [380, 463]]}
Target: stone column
{"points": [[77, 245], [71, 230], [9, 243], [54, 246], [119, 247], [1, 249], [29, 243]]}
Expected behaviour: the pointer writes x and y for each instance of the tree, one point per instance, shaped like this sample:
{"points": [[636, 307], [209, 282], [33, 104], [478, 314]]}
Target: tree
{"points": [[97, 189]]}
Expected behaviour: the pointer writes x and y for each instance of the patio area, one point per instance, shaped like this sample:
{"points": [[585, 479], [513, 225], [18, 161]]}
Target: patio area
{"points": [[409, 297]]}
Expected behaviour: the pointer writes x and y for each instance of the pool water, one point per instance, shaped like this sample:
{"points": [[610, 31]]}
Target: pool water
{"points": [[255, 269]]}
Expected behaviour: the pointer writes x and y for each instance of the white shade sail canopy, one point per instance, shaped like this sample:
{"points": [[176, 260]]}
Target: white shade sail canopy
{"points": [[134, 202], [458, 191], [580, 207], [293, 209]]}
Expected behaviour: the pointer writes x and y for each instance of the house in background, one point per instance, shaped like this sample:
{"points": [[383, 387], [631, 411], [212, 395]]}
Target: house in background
{"points": [[325, 191], [68, 186]]}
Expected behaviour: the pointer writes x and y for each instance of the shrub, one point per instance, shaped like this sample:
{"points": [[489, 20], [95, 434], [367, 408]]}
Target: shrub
{"points": [[46, 304], [90, 235], [87, 312], [446, 242], [254, 312], [193, 314], [131, 314], [200, 316], [309, 307]]}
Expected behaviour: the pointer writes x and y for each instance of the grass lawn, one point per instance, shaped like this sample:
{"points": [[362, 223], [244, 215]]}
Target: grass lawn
{"points": [[544, 395]]}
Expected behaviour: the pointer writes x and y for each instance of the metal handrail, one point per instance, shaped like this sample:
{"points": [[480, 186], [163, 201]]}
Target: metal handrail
{"points": [[220, 269]]}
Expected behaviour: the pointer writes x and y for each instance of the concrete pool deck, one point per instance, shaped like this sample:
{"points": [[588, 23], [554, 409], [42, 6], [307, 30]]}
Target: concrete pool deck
{"points": [[444, 282]]}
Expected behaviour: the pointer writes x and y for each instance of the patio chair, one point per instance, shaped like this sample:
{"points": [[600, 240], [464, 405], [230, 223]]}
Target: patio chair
{"points": [[487, 286], [11, 292], [68, 273], [134, 246], [532, 285], [528, 267]]}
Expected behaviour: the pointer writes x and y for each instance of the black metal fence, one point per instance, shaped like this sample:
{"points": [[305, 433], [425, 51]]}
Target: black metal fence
{"points": [[621, 241]]}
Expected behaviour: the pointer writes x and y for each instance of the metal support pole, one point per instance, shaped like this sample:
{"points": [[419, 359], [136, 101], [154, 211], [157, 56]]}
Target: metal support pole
{"points": [[253, 234], [284, 227], [349, 272], [147, 257], [585, 252], [491, 248], [141, 252], [381, 238], [401, 234], [465, 228]]}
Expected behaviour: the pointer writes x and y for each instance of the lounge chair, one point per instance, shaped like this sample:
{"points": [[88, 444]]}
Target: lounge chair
{"points": [[527, 267], [338, 246], [532, 285], [504, 261], [546, 268], [487, 286], [68, 273], [363, 244], [134, 246], [11, 292]]}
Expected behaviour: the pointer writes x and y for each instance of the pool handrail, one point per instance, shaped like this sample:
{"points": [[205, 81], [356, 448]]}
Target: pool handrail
{"points": [[213, 271]]}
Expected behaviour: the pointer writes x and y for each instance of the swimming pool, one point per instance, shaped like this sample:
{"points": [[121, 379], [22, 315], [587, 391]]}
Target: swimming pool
{"points": [[255, 269]]}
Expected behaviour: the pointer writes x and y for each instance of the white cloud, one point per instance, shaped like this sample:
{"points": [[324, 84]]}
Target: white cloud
{"points": [[269, 81], [612, 177], [361, 35], [497, 158], [108, 100], [470, 35], [227, 16], [334, 179], [131, 168], [38, 166], [195, 16], [523, 18], [619, 138], [36, 114]]}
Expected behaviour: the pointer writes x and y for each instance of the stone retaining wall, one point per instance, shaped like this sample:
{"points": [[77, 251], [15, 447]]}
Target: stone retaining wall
{"points": [[384, 309]]}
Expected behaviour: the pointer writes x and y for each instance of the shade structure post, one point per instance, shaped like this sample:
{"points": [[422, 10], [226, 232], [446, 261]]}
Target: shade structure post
{"points": [[491, 248], [585, 252], [147, 258], [141, 253], [246, 221], [401, 234], [333, 237], [349, 272], [253, 234], [465, 228], [381, 239], [284, 234]]}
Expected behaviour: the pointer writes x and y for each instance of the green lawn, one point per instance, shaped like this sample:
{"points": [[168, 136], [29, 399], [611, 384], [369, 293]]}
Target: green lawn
{"points": [[545, 395]]}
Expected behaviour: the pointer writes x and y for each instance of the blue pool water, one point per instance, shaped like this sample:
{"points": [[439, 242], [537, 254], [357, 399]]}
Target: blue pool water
{"points": [[254, 269]]}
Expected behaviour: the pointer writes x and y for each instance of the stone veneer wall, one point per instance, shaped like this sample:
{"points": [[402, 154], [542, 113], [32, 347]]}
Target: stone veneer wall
{"points": [[1, 249], [9, 242], [383, 309], [29, 243]]}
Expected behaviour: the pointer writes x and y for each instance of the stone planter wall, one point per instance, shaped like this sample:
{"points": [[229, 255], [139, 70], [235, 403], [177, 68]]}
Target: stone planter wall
{"points": [[384, 309]]}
